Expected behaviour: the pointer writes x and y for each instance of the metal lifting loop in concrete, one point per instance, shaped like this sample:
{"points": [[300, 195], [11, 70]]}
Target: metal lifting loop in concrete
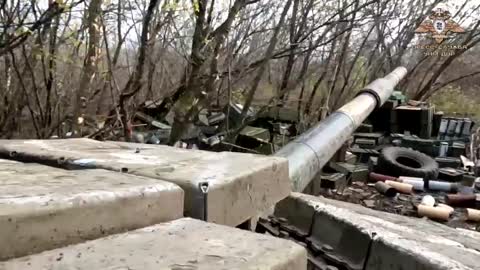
{"points": [[309, 152]]}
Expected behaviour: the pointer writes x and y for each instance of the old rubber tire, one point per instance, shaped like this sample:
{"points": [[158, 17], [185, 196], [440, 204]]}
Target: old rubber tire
{"points": [[400, 161]]}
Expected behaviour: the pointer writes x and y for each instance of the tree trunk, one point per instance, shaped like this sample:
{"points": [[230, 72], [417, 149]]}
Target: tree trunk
{"points": [[90, 62]]}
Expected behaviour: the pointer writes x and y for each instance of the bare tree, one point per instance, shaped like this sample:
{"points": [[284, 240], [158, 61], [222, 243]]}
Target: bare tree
{"points": [[102, 60]]}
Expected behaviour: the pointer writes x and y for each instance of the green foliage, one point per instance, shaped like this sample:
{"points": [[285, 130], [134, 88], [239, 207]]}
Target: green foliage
{"points": [[196, 6], [168, 6], [452, 101], [237, 96], [22, 30]]}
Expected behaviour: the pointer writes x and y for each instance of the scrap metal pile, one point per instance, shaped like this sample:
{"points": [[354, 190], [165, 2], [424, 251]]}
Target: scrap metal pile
{"points": [[410, 160], [49, 182], [406, 158], [270, 131]]}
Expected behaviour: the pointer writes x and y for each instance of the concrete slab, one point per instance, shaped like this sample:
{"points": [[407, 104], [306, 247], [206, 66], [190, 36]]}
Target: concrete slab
{"points": [[43, 208], [239, 185], [183, 244], [397, 242]]}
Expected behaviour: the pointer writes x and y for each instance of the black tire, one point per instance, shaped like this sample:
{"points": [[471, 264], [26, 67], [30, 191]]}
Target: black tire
{"points": [[400, 161]]}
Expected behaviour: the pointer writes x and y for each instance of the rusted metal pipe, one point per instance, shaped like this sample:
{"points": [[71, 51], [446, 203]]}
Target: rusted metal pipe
{"points": [[385, 189], [375, 177], [309, 152], [461, 199]]}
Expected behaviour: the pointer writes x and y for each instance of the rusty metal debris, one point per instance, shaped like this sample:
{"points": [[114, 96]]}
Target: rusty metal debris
{"points": [[385, 189], [343, 157], [450, 145], [265, 135]]}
